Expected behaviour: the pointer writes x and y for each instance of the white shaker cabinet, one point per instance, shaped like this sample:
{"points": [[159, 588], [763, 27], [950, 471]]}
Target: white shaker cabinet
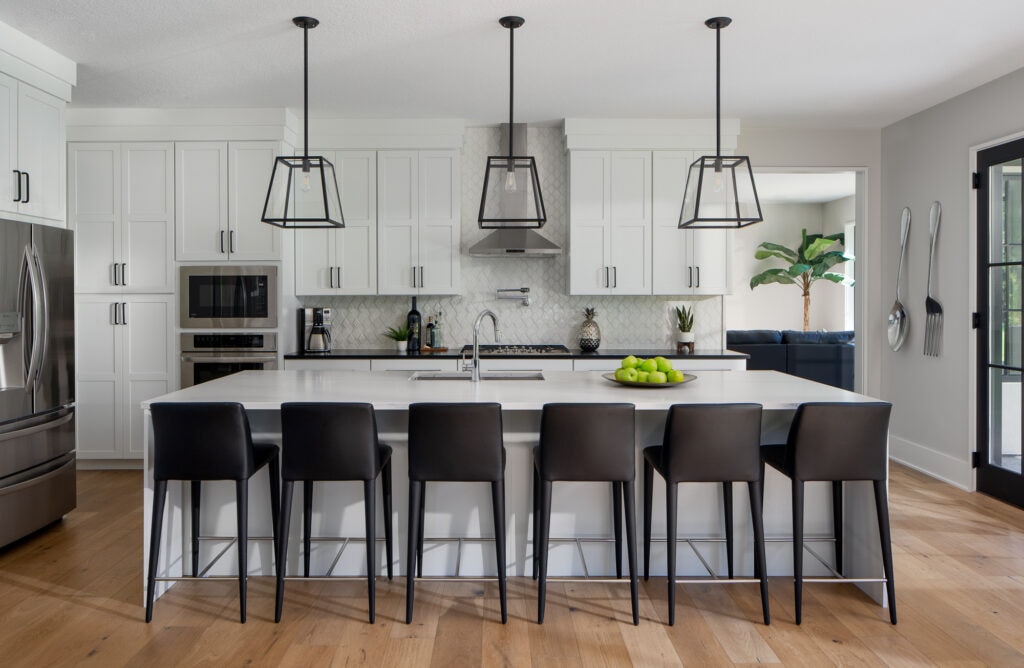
{"points": [[610, 222], [418, 221], [685, 262], [343, 261], [32, 186], [121, 206], [220, 189], [124, 355]]}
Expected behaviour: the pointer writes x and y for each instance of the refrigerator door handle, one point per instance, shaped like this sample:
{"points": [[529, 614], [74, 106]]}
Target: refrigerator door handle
{"points": [[30, 268], [44, 336], [35, 429]]}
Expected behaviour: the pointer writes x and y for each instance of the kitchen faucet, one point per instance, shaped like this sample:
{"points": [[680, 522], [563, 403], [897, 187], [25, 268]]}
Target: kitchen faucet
{"points": [[475, 368]]}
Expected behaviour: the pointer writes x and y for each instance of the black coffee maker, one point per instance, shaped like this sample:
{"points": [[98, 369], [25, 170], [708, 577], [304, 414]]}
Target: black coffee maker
{"points": [[315, 329]]}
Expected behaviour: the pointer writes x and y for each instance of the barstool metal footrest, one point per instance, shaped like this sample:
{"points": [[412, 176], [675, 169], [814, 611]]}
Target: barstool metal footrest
{"points": [[458, 554], [583, 560]]}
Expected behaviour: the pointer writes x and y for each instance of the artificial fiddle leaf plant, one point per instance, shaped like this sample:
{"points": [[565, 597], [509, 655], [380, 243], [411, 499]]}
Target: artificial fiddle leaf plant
{"points": [[809, 263]]}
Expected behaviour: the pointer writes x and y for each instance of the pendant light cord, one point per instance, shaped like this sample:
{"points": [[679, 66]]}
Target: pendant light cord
{"points": [[305, 96], [511, 89], [718, 98]]}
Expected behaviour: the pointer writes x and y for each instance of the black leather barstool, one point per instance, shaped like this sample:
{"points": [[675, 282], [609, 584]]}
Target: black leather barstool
{"points": [[707, 443], [586, 443], [336, 442], [835, 442], [454, 443], [207, 441]]}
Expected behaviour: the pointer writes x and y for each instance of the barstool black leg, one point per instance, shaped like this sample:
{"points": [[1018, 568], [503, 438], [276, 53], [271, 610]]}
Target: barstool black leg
{"points": [[275, 496], [634, 593], [798, 547], [159, 499], [415, 498], [727, 499], [536, 522], [882, 507], [282, 545], [837, 522], [307, 525], [420, 527], [385, 480], [671, 492], [545, 528], [242, 503], [757, 519], [617, 523], [196, 500], [370, 508], [498, 505], [648, 501]]}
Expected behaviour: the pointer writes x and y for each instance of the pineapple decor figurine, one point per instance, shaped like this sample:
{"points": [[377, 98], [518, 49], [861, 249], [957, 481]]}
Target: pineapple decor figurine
{"points": [[590, 333]]}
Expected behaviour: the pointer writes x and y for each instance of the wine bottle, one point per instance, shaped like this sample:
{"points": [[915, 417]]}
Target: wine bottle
{"points": [[438, 332], [412, 321], [430, 332]]}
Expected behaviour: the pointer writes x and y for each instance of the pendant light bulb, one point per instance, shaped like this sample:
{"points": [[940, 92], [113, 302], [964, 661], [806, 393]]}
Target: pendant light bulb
{"points": [[304, 181], [510, 180]]}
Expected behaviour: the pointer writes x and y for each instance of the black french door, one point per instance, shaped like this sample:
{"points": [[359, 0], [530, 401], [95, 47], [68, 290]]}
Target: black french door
{"points": [[1000, 415]]}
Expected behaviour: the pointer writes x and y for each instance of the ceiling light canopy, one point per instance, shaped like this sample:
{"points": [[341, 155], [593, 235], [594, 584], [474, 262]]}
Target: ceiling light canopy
{"points": [[511, 196], [303, 191], [720, 190]]}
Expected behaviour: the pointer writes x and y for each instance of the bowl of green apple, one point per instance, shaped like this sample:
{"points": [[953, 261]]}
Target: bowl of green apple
{"points": [[652, 372]]}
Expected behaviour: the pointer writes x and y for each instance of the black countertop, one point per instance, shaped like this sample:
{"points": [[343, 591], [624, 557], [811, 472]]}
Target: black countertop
{"points": [[452, 353]]}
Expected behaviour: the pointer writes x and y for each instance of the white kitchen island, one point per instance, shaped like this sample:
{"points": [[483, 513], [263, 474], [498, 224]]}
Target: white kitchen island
{"points": [[580, 510]]}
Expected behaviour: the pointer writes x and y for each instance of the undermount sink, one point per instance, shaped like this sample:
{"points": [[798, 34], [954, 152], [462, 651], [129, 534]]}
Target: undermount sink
{"points": [[484, 375]]}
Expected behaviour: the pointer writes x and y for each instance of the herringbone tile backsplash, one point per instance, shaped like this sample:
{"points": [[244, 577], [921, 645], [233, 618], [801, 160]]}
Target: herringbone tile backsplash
{"points": [[553, 316]]}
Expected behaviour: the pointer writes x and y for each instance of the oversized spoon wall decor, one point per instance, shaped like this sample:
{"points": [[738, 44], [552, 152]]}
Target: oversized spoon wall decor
{"points": [[899, 321]]}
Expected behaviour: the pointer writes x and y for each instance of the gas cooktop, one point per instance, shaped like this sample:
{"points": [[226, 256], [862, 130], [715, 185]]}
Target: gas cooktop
{"points": [[518, 349]]}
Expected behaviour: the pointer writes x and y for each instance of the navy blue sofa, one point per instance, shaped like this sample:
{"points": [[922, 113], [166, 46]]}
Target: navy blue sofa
{"points": [[825, 357]]}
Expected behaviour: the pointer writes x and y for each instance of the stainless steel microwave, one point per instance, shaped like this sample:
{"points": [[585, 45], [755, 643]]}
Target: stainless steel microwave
{"points": [[228, 296]]}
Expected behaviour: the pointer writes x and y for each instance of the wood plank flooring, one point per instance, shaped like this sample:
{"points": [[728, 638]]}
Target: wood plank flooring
{"points": [[70, 595]]}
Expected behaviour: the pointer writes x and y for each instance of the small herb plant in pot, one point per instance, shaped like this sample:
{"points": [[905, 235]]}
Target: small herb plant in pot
{"points": [[684, 323], [400, 335]]}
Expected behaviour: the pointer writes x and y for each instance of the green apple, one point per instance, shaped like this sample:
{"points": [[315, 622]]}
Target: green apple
{"points": [[631, 375], [664, 365], [630, 362], [649, 365], [675, 376], [656, 377], [642, 376], [620, 374]]}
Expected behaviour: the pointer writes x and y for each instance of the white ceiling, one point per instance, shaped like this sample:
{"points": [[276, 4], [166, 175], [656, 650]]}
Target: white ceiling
{"points": [[866, 63], [802, 187]]}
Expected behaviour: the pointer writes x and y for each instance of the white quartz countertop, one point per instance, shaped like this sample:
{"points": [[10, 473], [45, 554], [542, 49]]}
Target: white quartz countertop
{"points": [[393, 390]]}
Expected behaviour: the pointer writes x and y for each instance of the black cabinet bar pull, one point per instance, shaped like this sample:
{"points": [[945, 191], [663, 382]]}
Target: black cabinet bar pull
{"points": [[124, 313], [698, 276], [615, 277], [114, 272], [28, 189], [17, 177], [339, 277], [222, 241], [689, 282], [414, 277], [124, 273], [231, 243], [421, 276]]}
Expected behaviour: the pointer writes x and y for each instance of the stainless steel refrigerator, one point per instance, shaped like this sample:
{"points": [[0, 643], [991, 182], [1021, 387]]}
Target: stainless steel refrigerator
{"points": [[37, 377]]}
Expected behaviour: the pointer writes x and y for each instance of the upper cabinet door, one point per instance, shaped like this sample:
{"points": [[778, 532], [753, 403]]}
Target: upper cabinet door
{"points": [[398, 222], [249, 168], [41, 153], [439, 222], [147, 217], [630, 206], [672, 270], [355, 270], [8, 143], [589, 222], [710, 251], [94, 208], [201, 201]]}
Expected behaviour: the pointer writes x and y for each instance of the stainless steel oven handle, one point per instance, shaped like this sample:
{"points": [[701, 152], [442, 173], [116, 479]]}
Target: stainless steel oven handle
{"points": [[199, 359]]}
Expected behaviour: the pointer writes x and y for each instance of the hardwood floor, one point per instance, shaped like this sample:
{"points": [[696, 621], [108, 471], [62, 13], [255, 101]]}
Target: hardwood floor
{"points": [[71, 596]]}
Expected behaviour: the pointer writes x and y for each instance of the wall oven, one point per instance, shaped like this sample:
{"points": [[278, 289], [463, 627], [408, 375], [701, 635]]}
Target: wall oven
{"points": [[228, 297], [208, 356]]}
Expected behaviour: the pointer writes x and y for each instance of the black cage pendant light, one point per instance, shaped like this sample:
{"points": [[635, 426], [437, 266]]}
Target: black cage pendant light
{"points": [[720, 191], [511, 196], [303, 190]]}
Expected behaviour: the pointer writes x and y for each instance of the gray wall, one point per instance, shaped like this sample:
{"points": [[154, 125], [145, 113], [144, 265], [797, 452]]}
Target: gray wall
{"points": [[927, 157]]}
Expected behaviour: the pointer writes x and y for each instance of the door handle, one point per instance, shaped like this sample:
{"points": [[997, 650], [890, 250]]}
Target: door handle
{"points": [[124, 313], [615, 277], [414, 277], [28, 189], [607, 283], [114, 267], [17, 178], [330, 273], [231, 241], [117, 313], [421, 275], [689, 280], [222, 241], [124, 273], [698, 276], [339, 277]]}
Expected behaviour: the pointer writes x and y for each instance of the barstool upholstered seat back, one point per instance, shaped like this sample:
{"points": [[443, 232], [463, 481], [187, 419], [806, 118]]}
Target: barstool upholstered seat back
{"points": [[456, 442], [586, 442], [832, 441], [202, 441], [328, 441], [711, 443]]}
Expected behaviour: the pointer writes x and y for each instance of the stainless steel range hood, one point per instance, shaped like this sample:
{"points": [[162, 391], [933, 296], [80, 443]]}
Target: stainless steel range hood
{"points": [[514, 241]]}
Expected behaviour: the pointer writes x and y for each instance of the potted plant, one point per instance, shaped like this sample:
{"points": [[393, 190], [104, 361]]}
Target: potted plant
{"points": [[400, 335], [684, 323], [809, 263]]}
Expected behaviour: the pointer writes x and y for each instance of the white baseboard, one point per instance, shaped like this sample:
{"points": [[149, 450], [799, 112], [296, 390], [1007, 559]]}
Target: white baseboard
{"points": [[956, 472]]}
